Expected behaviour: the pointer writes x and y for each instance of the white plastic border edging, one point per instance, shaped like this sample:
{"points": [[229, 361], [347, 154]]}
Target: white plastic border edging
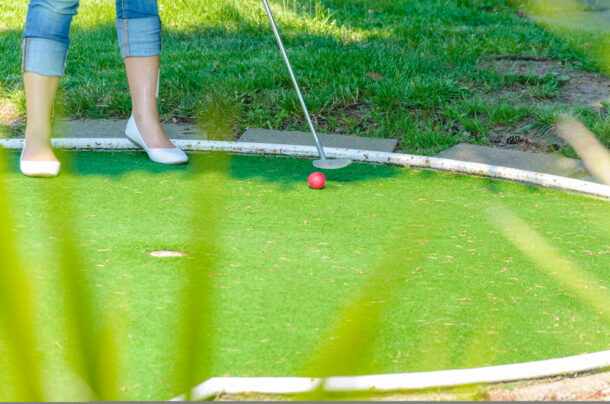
{"points": [[396, 159], [404, 381]]}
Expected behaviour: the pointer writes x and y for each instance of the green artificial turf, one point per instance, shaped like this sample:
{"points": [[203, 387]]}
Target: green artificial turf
{"points": [[421, 262]]}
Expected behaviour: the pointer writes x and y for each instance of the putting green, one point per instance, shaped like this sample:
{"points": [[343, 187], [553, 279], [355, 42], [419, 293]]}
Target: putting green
{"points": [[461, 271]]}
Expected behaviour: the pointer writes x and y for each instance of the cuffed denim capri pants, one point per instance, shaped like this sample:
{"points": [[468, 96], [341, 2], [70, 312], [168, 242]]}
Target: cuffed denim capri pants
{"points": [[46, 37]]}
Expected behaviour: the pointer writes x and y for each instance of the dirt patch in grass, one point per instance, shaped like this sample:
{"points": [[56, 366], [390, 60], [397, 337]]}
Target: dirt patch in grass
{"points": [[354, 116], [527, 137], [573, 87], [346, 119], [9, 115], [534, 81], [576, 387]]}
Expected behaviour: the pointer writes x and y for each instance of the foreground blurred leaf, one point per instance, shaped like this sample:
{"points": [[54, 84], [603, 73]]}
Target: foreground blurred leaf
{"points": [[196, 324], [16, 307]]}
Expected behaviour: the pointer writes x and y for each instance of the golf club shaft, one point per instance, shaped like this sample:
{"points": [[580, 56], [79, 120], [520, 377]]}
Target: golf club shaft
{"points": [[294, 80]]}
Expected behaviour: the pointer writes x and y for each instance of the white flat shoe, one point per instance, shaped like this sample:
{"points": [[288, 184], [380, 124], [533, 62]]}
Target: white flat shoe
{"points": [[38, 168], [162, 156]]}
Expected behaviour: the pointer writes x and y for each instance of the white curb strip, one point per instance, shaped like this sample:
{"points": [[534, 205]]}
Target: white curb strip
{"points": [[396, 159], [403, 381]]}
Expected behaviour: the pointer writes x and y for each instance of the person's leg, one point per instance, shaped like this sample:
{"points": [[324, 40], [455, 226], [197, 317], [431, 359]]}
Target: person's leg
{"points": [[139, 34], [143, 75], [39, 95], [45, 46]]}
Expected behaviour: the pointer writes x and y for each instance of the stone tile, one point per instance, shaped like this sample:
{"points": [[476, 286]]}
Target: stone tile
{"points": [[540, 162], [115, 128], [257, 135]]}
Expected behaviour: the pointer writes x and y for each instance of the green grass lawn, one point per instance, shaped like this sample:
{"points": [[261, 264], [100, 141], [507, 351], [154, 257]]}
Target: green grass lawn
{"points": [[393, 270], [382, 68]]}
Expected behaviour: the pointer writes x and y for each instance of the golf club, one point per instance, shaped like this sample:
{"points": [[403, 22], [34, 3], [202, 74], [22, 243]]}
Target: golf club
{"points": [[323, 162]]}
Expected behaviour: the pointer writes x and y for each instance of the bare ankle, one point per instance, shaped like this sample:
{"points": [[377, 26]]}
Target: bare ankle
{"points": [[38, 148], [152, 131]]}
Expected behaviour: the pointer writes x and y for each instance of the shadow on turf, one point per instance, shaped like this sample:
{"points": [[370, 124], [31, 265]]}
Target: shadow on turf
{"points": [[102, 163], [290, 171], [286, 172], [497, 186]]}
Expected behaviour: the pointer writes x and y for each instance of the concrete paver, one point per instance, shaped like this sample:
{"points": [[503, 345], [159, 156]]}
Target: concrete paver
{"points": [[539, 162], [115, 128], [257, 135]]}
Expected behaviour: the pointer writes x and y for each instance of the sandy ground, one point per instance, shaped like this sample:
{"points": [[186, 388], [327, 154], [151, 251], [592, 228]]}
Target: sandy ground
{"points": [[593, 387], [579, 387]]}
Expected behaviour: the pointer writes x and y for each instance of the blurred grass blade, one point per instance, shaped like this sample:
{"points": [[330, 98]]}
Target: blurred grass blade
{"points": [[550, 261], [558, 16], [219, 115], [109, 356], [197, 297], [347, 351], [84, 345], [16, 315], [484, 339], [595, 156]]}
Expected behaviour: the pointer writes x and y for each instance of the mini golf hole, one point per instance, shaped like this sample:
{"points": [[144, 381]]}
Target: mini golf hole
{"points": [[166, 253]]}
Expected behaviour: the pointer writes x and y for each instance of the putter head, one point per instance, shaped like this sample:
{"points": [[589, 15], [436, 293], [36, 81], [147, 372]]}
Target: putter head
{"points": [[331, 164]]}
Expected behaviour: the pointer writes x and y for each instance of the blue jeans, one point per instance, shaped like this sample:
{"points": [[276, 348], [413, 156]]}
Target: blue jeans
{"points": [[46, 37]]}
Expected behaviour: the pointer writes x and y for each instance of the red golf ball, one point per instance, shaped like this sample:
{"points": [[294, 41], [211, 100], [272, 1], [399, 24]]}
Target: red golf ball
{"points": [[316, 180]]}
